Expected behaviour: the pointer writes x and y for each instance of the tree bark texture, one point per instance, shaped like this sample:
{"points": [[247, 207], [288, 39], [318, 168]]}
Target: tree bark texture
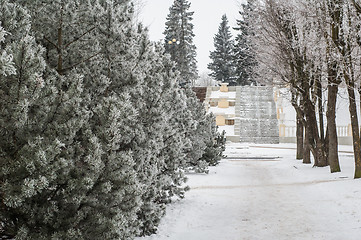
{"points": [[306, 148], [331, 128], [315, 142], [320, 107], [355, 131], [299, 136]]}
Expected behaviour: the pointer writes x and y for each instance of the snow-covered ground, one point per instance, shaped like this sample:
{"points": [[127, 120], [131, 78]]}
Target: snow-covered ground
{"points": [[260, 192]]}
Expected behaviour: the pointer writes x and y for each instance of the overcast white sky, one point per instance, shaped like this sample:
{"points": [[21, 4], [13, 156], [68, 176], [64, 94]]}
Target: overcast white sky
{"points": [[207, 17]]}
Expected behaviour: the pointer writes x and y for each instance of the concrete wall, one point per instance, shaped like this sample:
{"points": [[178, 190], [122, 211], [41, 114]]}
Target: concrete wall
{"points": [[257, 114]]}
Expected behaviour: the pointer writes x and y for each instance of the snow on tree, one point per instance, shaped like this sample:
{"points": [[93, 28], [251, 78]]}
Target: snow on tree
{"points": [[195, 133], [147, 149], [107, 201], [215, 142], [222, 67], [202, 134], [179, 41], [41, 113], [303, 50], [103, 133], [6, 59], [64, 28], [243, 51], [174, 139]]}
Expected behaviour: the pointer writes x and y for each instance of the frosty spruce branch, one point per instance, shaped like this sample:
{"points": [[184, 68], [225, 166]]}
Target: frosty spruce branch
{"points": [[95, 133]]}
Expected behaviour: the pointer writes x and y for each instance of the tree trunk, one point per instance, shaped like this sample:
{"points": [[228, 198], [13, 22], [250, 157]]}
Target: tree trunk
{"points": [[299, 124], [315, 142], [299, 136], [321, 155], [320, 108], [355, 130], [331, 128], [326, 146], [306, 148]]}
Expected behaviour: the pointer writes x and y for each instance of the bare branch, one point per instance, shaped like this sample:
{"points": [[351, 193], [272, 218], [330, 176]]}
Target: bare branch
{"points": [[54, 45], [77, 38], [80, 62]]}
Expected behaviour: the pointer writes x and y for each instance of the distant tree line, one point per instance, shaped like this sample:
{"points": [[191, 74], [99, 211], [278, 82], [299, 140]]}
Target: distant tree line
{"points": [[233, 61]]}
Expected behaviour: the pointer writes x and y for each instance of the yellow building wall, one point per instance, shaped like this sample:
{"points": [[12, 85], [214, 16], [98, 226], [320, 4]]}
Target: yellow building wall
{"points": [[220, 121], [223, 103]]}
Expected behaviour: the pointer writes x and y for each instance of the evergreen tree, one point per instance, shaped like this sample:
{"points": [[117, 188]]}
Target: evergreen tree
{"points": [[206, 144], [215, 142], [6, 58], [44, 169], [179, 41], [103, 134], [107, 202], [174, 138], [222, 66], [244, 55], [164, 141], [195, 133]]}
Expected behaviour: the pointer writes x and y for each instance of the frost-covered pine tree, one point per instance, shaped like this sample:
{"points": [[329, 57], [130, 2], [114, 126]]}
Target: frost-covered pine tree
{"points": [[64, 28], [132, 64], [6, 58], [179, 41], [244, 54], [215, 142], [195, 132], [106, 203], [116, 124], [222, 66], [44, 168], [149, 141], [206, 144], [174, 137]]}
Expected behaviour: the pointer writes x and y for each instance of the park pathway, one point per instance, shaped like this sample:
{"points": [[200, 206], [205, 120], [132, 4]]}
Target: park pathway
{"points": [[263, 194]]}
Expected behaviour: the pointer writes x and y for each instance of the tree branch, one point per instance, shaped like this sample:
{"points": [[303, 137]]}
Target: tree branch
{"points": [[357, 6], [51, 43], [77, 38], [78, 63]]}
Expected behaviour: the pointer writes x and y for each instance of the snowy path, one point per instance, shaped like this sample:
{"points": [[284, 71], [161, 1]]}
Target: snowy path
{"points": [[264, 194]]}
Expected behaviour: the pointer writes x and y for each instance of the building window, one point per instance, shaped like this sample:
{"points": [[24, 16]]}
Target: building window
{"points": [[213, 104], [229, 121]]}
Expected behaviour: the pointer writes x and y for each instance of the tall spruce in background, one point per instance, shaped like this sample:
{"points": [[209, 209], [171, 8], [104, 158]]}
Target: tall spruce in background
{"points": [[222, 67], [244, 55], [179, 41]]}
